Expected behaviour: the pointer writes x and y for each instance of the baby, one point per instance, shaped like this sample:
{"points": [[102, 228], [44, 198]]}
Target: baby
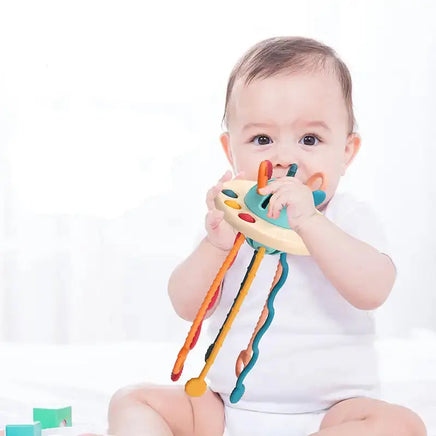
{"points": [[288, 101]]}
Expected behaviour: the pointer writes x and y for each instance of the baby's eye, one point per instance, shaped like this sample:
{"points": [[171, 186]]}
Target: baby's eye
{"points": [[262, 140], [309, 140]]}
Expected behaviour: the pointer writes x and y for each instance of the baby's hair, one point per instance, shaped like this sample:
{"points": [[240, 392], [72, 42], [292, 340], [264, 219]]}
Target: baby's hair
{"points": [[290, 54]]}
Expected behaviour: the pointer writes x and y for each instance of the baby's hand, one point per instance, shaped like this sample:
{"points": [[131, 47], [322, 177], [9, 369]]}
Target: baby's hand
{"points": [[291, 193], [219, 233]]}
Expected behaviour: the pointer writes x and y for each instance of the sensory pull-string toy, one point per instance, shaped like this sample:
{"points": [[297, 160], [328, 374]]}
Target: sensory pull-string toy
{"points": [[245, 209]]}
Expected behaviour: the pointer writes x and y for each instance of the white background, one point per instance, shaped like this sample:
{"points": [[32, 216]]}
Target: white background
{"points": [[109, 122]]}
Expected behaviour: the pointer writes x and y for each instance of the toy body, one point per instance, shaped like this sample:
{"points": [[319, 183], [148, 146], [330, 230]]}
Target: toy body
{"points": [[245, 209], [253, 226]]}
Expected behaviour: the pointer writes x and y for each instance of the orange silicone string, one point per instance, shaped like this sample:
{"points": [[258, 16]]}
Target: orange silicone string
{"points": [[234, 311], [263, 174], [178, 366]]}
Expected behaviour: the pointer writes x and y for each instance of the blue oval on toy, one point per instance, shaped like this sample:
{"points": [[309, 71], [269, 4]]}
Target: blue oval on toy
{"points": [[258, 204], [230, 193]]}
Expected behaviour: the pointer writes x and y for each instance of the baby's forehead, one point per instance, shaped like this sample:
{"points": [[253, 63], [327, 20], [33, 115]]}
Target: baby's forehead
{"points": [[302, 94], [318, 80]]}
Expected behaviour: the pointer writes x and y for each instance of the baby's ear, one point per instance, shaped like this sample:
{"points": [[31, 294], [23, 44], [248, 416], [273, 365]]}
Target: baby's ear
{"points": [[225, 142], [351, 149]]}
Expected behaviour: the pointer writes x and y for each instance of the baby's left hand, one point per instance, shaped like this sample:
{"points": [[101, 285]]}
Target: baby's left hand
{"points": [[291, 193]]}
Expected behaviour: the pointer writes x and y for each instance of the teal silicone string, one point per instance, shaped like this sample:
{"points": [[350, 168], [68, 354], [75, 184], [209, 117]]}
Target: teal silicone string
{"points": [[239, 389]]}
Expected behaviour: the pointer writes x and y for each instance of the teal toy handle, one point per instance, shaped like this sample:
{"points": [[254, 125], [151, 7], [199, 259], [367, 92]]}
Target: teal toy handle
{"points": [[292, 170], [318, 197]]}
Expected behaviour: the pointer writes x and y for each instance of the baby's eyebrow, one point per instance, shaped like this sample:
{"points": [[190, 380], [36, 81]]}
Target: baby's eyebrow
{"points": [[312, 124], [297, 123], [250, 125]]}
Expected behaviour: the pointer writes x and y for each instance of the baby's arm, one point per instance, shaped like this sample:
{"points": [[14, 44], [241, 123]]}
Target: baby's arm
{"points": [[362, 275], [191, 280]]}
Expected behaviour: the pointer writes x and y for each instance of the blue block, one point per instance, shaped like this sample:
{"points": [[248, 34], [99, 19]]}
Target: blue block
{"points": [[24, 429]]}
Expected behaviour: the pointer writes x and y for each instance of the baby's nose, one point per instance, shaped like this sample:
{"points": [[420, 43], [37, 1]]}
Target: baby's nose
{"points": [[285, 169], [285, 155]]}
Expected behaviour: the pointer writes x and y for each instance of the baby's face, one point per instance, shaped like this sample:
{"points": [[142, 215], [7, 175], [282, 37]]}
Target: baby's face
{"points": [[296, 118]]}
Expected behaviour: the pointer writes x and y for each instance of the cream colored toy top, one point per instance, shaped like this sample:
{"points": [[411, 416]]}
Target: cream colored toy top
{"points": [[245, 210]]}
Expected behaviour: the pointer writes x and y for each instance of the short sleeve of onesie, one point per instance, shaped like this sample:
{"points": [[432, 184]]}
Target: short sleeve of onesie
{"points": [[358, 219]]}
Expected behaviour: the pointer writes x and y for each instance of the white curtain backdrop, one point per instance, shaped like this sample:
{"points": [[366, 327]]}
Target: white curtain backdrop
{"points": [[109, 121]]}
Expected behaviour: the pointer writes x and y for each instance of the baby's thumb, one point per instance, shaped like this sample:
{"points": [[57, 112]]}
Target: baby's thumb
{"points": [[214, 219], [240, 175]]}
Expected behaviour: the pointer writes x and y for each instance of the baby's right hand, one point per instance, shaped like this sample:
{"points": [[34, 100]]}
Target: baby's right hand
{"points": [[219, 233]]}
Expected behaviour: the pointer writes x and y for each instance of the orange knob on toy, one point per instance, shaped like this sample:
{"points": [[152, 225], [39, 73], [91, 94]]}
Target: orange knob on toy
{"points": [[243, 360], [264, 174], [310, 181]]}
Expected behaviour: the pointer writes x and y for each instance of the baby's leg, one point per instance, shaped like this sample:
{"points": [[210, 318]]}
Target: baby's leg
{"points": [[151, 410]]}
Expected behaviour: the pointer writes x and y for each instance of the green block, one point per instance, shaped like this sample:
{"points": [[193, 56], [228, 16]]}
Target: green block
{"points": [[53, 418], [24, 429]]}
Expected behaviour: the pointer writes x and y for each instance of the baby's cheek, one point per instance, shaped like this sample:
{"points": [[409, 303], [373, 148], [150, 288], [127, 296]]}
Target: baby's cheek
{"points": [[250, 173]]}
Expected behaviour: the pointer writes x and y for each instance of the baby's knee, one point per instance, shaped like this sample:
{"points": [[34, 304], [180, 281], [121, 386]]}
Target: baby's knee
{"points": [[128, 396], [398, 420], [412, 424]]}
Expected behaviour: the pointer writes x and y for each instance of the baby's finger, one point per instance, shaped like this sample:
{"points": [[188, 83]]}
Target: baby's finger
{"points": [[277, 202], [209, 198], [226, 177], [275, 185], [240, 175], [274, 210], [211, 194], [271, 187], [214, 219]]}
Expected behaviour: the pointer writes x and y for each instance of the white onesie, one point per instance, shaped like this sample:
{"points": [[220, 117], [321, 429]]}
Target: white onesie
{"points": [[319, 348]]}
